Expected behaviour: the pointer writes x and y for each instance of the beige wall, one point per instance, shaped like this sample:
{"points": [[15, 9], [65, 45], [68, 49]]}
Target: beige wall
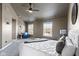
{"points": [[22, 24], [8, 14], [38, 28], [73, 30], [26, 26], [58, 23], [0, 25]]}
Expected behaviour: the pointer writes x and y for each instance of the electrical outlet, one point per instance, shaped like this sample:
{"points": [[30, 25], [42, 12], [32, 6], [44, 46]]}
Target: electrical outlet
{"points": [[5, 41]]}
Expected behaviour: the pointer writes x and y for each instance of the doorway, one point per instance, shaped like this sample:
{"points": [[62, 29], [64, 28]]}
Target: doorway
{"points": [[13, 28]]}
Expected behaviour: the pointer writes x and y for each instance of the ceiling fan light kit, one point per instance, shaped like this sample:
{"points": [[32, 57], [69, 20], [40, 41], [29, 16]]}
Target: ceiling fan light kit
{"points": [[30, 10]]}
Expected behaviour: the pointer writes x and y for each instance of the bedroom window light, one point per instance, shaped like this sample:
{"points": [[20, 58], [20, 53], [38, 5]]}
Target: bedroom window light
{"points": [[47, 29], [30, 29]]}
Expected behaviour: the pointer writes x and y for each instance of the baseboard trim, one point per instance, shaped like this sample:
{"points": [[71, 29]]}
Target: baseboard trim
{"points": [[6, 46]]}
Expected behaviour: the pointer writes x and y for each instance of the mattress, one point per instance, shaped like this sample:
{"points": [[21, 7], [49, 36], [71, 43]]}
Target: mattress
{"points": [[45, 48]]}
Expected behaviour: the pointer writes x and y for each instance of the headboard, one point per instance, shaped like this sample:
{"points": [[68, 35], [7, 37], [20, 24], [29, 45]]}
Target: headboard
{"points": [[74, 36]]}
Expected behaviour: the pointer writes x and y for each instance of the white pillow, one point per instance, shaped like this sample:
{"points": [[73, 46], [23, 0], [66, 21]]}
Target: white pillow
{"points": [[68, 51], [61, 38], [68, 42]]}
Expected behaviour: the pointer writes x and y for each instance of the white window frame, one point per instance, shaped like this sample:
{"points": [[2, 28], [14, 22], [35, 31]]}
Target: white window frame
{"points": [[30, 29], [47, 26]]}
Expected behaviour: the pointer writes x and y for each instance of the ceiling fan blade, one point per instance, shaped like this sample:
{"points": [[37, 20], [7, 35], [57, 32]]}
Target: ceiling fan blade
{"points": [[35, 10]]}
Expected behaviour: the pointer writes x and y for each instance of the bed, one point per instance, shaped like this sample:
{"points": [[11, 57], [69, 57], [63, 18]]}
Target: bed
{"points": [[38, 47], [72, 44], [45, 47]]}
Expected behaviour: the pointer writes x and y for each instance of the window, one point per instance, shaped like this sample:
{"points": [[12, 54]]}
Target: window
{"points": [[47, 29], [30, 29]]}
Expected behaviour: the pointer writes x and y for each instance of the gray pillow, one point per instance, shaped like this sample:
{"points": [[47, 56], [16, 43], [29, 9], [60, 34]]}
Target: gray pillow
{"points": [[60, 45], [68, 51]]}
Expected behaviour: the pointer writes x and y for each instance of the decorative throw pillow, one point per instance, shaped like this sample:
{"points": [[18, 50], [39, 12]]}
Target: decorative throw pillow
{"points": [[61, 38], [69, 42], [68, 51], [60, 45]]}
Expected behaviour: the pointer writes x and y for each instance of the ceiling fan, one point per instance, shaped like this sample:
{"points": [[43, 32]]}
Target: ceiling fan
{"points": [[31, 9]]}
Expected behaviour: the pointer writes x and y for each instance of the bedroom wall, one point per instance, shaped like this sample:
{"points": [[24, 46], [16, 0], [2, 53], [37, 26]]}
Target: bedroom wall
{"points": [[38, 28], [58, 23], [8, 14], [0, 25], [21, 26]]}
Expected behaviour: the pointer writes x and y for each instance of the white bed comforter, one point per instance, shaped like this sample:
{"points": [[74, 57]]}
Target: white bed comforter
{"points": [[46, 48]]}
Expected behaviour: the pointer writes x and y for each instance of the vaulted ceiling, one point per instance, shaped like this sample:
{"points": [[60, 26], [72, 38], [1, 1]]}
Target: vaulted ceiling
{"points": [[47, 10]]}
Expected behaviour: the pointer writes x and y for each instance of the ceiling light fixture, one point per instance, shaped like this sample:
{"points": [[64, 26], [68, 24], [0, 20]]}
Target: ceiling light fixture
{"points": [[30, 11]]}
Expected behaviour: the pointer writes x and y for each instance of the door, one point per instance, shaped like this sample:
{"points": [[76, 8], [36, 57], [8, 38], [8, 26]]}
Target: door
{"points": [[13, 28]]}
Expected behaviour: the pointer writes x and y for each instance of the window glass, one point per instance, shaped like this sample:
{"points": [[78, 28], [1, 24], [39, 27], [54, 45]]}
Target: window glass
{"points": [[47, 29], [30, 29]]}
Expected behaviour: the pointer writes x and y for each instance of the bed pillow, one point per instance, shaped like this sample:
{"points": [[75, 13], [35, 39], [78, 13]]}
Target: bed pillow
{"points": [[61, 38], [69, 42], [68, 51], [60, 45]]}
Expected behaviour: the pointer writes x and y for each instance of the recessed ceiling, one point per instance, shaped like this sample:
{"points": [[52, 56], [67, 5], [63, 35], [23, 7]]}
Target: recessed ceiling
{"points": [[47, 10]]}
